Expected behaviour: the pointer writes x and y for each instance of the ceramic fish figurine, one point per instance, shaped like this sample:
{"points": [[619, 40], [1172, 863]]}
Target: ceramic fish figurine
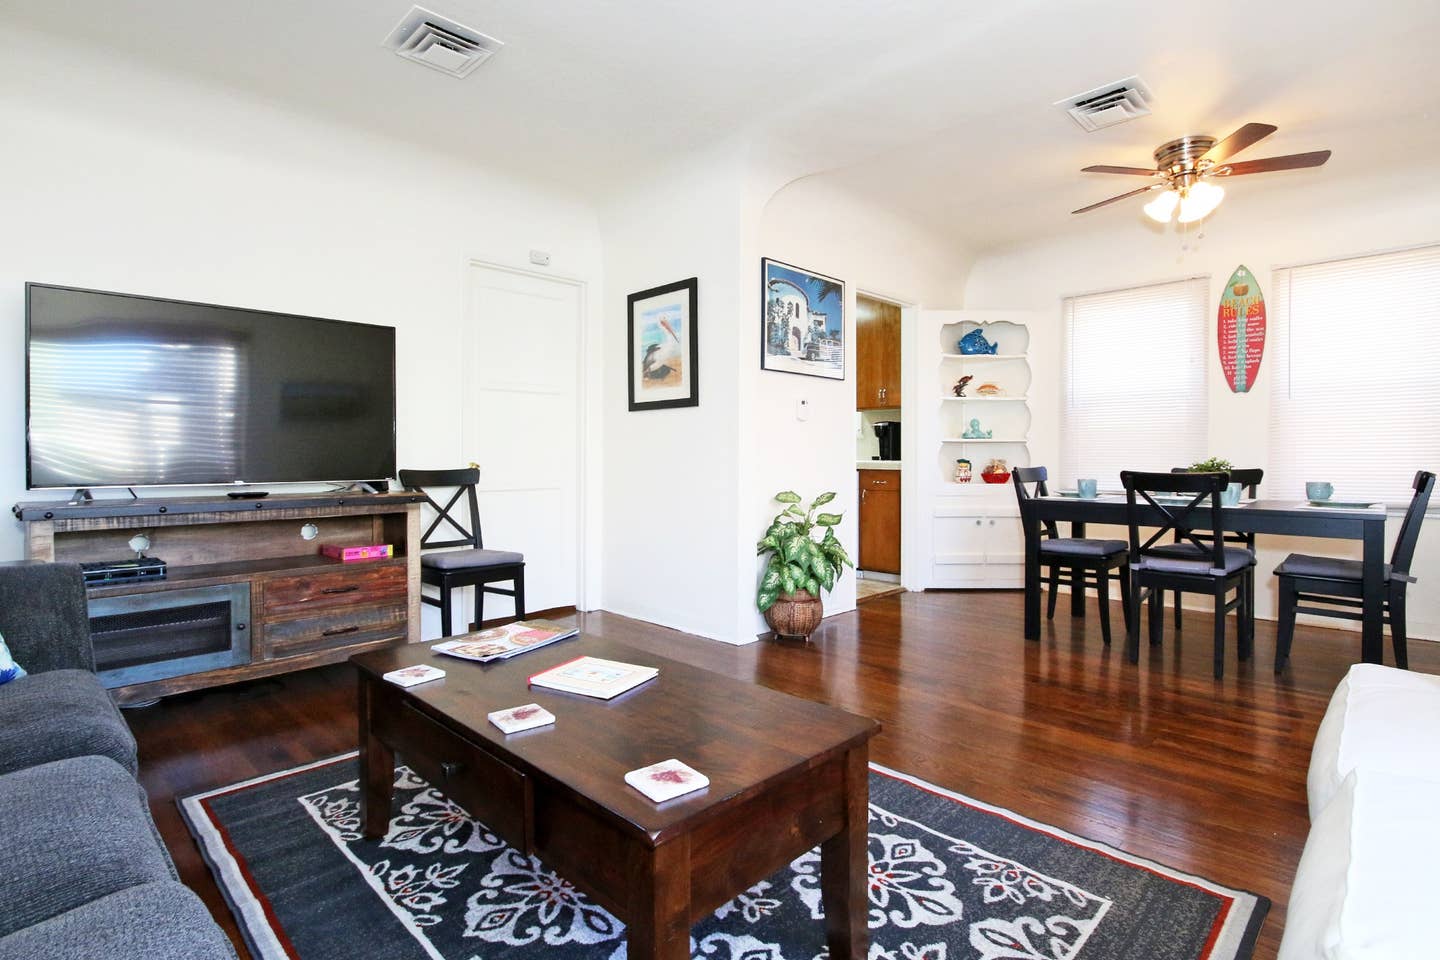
{"points": [[974, 343], [959, 387]]}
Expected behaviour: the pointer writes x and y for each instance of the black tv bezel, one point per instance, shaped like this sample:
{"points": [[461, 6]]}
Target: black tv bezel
{"points": [[394, 390]]}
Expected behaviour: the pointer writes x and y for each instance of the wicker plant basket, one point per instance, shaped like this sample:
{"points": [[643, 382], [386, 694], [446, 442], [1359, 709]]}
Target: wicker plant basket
{"points": [[795, 617]]}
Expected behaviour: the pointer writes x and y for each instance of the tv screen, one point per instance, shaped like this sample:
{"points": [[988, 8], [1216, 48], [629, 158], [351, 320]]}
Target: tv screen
{"points": [[127, 391]]}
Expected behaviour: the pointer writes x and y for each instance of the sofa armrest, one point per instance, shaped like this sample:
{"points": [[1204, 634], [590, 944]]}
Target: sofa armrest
{"points": [[44, 616]]}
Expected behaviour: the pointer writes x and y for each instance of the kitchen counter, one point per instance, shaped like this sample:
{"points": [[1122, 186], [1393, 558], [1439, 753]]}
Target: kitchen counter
{"points": [[877, 464]]}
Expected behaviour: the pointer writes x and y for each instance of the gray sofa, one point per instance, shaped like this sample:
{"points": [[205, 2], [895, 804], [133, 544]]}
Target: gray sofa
{"points": [[83, 872]]}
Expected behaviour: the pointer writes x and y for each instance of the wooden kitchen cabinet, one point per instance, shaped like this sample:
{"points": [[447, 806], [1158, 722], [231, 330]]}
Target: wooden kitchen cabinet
{"points": [[877, 354], [880, 521]]}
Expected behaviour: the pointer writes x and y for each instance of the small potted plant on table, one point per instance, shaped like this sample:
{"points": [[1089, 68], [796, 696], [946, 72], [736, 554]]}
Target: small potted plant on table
{"points": [[799, 566]]}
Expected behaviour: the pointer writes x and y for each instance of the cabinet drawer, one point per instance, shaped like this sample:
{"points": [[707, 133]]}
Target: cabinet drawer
{"points": [[489, 789], [352, 586], [880, 480], [339, 628]]}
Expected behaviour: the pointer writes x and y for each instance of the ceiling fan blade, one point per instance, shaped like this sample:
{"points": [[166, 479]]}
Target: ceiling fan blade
{"points": [[1248, 135], [1294, 161], [1136, 171], [1123, 196]]}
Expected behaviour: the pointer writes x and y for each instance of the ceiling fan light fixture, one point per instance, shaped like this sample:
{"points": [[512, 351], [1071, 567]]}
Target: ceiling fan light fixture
{"points": [[1200, 201], [1162, 208]]}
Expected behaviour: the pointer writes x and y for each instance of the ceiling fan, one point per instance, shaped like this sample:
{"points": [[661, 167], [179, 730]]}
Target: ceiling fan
{"points": [[1185, 168]]}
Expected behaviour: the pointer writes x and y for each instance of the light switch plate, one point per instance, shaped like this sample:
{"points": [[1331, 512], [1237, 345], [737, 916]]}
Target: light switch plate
{"points": [[802, 410]]}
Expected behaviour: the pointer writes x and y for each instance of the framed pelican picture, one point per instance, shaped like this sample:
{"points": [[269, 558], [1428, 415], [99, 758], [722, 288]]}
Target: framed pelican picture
{"points": [[663, 351], [802, 321]]}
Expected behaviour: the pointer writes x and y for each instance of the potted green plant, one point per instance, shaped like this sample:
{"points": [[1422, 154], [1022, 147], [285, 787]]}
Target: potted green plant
{"points": [[799, 566], [1231, 494]]}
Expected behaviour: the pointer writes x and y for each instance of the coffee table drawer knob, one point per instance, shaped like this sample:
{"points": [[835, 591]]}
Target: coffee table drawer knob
{"points": [[449, 769]]}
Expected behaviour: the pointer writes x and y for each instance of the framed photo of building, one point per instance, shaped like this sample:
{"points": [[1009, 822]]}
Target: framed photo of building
{"points": [[662, 350], [802, 325]]}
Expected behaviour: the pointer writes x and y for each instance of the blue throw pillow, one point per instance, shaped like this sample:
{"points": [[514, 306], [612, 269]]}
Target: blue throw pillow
{"points": [[9, 669]]}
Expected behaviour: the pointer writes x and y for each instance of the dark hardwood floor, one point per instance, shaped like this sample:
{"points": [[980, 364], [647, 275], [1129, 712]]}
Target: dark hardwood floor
{"points": [[1159, 759]]}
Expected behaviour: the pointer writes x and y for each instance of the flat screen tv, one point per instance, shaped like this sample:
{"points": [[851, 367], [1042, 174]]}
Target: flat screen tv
{"points": [[127, 391]]}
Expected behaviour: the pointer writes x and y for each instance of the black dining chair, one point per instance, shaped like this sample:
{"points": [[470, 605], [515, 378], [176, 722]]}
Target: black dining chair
{"points": [[1249, 480], [449, 569], [1336, 582], [1214, 568], [1076, 562]]}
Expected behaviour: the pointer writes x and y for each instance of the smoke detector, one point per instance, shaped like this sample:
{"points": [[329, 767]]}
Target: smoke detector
{"points": [[1108, 105], [440, 43]]}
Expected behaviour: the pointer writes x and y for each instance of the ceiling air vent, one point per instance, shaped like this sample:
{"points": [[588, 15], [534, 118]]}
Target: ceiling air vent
{"points": [[440, 43], [1108, 105]]}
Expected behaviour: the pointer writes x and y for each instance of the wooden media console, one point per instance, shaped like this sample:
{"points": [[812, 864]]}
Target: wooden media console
{"points": [[283, 606]]}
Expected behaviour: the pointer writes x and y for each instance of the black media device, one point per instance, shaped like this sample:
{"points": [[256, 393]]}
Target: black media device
{"points": [[122, 571], [248, 494], [131, 391]]}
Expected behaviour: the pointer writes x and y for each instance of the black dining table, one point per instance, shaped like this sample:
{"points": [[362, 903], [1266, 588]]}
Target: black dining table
{"points": [[1289, 518]]}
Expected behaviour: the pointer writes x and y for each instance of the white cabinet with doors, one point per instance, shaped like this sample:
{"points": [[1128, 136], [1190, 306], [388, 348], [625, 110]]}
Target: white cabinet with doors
{"points": [[978, 545]]}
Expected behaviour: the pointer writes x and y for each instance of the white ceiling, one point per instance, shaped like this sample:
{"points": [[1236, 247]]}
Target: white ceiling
{"points": [[936, 108]]}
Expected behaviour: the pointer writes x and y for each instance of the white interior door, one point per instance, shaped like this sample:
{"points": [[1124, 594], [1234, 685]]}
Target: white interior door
{"points": [[521, 424]]}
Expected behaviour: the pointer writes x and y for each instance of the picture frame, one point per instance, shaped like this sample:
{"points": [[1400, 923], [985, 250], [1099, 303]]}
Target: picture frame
{"points": [[802, 321], [662, 346]]}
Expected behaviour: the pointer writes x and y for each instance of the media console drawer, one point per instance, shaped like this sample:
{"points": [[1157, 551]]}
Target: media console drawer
{"points": [[353, 585], [337, 628]]}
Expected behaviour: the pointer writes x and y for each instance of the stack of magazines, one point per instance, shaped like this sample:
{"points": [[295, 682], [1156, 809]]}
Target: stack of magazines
{"points": [[502, 643]]}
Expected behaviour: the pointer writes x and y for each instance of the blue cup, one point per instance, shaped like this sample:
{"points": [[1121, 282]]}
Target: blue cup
{"points": [[1319, 490], [1086, 488], [1230, 496]]}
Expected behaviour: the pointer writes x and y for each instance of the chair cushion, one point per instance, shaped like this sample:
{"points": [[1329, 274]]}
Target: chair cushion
{"points": [[59, 714], [1236, 558], [1183, 549], [1082, 547], [162, 920], [1323, 568], [74, 830], [1379, 718], [1362, 890], [469, 559]]}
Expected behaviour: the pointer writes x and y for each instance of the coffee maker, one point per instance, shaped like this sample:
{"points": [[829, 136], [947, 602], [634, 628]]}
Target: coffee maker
{"points": [[888, 433]]}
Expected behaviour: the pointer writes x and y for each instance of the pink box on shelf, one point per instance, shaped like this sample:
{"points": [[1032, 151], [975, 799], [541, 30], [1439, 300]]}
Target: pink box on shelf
{"points": [[375, 551]]}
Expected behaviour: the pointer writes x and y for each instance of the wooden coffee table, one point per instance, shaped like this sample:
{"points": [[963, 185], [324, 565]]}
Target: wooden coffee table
{"points": [[785, 775]]}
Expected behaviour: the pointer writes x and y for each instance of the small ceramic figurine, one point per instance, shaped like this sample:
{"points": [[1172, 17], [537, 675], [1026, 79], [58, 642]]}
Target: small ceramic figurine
{"points": [[974, 342], [975, 433], [959, 387], [962, 471], [996, 471], [989, 390]]}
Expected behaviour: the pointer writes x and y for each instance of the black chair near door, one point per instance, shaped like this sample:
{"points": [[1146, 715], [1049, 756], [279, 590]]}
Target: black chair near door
{"points": [[450, 569], [1186, 502], [1076, 562], [1249, 480], [1336, 582]]}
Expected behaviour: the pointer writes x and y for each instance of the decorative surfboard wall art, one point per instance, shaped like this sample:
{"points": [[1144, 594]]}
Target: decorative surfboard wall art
{"points": [[1241, 330]]}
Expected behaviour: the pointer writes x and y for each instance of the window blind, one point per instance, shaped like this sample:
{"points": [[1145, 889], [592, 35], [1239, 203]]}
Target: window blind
{"points": [[1355, 375], [1134, 395]]}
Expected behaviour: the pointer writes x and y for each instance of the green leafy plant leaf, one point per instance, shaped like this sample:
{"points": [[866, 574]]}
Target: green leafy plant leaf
{"points": [[765, 599], [787, 583], [787, 496], [827, 519], [821, 500], [771, 580], [813, 586], [794, 546]]}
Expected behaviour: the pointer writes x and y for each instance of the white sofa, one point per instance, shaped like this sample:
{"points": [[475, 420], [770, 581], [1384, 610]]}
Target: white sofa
{"points": [[1361, 891]]}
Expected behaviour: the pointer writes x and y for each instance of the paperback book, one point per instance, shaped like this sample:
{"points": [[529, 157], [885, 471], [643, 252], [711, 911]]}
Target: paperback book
{"points": [[501, 643], [594, 677]]}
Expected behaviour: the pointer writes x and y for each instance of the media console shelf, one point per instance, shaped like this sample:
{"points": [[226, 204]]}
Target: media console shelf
{"points": [[247, 593]]}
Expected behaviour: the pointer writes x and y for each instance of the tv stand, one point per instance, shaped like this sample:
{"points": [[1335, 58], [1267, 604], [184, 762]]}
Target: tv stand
{"points": [[293, 607], [82, 495]]}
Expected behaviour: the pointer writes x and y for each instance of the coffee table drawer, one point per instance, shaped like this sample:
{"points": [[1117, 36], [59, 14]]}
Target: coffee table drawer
{"points": [[489, 789], [385, 582]]}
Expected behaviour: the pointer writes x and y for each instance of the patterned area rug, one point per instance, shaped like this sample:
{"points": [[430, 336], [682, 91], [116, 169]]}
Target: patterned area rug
{"points": [[950, 878]]}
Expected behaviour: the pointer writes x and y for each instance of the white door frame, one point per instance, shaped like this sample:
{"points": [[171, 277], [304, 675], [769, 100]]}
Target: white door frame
{"points": [[909, 481], [582, 354]]}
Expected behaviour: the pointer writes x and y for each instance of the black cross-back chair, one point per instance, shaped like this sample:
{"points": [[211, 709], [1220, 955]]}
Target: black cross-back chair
{"points": [[1215, 569], [1249, 480], [1076, 562], [449, 569], [1338, 583]]}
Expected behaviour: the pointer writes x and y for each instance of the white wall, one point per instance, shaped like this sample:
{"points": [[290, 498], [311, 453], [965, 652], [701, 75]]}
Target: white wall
{"points": [[814, 224], [1270, 224], [118, 178]]}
